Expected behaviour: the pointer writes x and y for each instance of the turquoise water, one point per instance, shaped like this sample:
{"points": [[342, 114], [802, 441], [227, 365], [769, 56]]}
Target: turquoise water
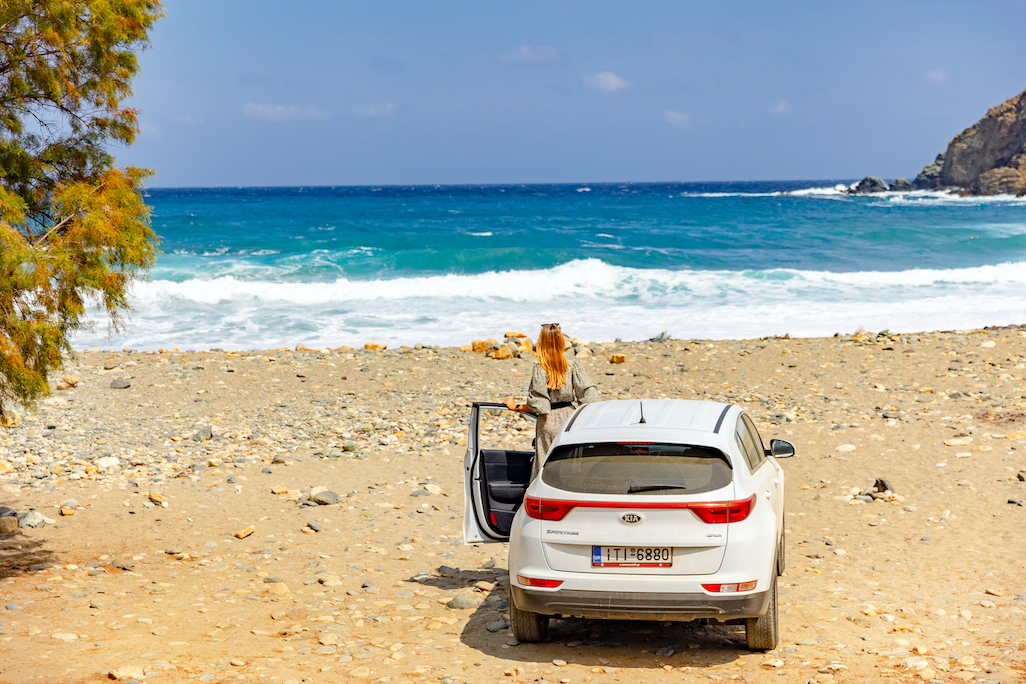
{"points": [[267, 267]]}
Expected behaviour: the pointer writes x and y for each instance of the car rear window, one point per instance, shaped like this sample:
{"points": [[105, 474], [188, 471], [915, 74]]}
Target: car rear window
{"points": [[615, 468]]}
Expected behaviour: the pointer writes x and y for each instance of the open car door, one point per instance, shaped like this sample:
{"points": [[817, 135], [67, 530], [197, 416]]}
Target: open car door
{"points": [[496, 470]]}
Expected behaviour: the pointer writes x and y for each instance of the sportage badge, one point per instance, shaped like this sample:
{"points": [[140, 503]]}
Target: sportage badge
{"points": [[630, 518]]}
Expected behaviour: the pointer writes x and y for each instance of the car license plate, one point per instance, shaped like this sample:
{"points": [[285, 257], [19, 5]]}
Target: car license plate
{"points": [[631, 557]]}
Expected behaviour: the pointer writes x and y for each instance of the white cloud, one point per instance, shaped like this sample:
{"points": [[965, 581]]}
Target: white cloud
{"points": [[530, 53], [781, 108], [677, 119], [374, 110], [278, 113], [937, 76], [606, 82]]}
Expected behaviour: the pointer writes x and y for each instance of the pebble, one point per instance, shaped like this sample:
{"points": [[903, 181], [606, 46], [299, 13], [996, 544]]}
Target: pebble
{"points": [[665, 652], [8, 525], [64, 636], [125, 672], [120, 384], [461, 602], [32, 519], [492, 626], [845, 448], [325, 498]]}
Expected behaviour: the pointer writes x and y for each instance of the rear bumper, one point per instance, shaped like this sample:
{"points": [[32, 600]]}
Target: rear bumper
{"points": [[622, 605]]}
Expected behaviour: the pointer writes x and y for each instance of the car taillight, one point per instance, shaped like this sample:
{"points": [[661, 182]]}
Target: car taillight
{"points": [[729, 588], [547, 509], [724, 511], [712, 512], [535, 582]]}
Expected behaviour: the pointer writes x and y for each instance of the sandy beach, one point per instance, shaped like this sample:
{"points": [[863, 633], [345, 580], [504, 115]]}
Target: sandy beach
{"points": [[181, 537]]}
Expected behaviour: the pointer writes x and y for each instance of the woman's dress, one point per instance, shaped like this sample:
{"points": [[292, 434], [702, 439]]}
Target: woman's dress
{"points": [[577, 388]]}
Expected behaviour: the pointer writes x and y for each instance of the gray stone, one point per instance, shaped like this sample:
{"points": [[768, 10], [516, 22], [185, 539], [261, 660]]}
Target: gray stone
{"points": [[325, 498], [32, 519], [665, 652], [446, 571], [120, 384], [313, 526], [882, 485], [203, 434], [869, 185], [461, 602], [496, 626], [929, 177], [900, 185]]}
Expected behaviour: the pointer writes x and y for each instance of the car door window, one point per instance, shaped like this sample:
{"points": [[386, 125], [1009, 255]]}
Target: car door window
{"points": [[748, 447], [756, 439]]}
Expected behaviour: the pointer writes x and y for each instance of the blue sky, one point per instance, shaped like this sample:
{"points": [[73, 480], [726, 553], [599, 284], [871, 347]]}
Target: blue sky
{"points": [[242, 93]]}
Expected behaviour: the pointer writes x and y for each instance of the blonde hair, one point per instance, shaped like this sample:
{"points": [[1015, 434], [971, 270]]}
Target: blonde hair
{"points": [[551, 355]]}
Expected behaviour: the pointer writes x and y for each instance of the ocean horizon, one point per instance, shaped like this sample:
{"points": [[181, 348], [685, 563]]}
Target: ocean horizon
{"points": [[247, 268]]}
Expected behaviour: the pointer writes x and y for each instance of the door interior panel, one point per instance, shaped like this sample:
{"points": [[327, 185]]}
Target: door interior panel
{"points": [[505, 476]]}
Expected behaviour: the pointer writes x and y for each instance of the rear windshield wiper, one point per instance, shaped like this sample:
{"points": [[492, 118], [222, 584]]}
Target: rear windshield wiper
{"points": [[652, 488]]}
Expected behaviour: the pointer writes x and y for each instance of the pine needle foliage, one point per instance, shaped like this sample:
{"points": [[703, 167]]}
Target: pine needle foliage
{"points": [[74, 230]]}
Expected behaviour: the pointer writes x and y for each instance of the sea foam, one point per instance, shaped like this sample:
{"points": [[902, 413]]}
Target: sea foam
{"points": [[590, 297]]}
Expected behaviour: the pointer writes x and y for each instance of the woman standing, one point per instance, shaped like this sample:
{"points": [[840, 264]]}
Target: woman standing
{"points": [[556, 384]]}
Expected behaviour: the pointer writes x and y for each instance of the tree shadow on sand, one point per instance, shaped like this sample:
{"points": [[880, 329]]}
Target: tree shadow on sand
{"points": [[20, 554], [592, 643]]}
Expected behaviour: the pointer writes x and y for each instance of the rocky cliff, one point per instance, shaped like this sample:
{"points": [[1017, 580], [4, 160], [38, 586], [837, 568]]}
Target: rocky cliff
{"points": [[988, 158]]}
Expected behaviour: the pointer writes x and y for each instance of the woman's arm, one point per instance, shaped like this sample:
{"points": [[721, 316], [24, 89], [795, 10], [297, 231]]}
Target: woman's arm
{"points": [[538, 392], [584, 388], [512, 405]]}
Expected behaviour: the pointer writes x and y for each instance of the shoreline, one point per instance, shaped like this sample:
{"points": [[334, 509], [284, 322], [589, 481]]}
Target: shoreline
{"points": [[301, 346], [180, 533]]}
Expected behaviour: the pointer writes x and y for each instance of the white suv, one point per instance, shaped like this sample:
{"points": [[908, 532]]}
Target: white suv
{"points": [[644, 510]]}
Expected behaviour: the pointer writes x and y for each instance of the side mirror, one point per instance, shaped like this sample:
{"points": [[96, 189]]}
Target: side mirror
{"points": [[780, 448]]}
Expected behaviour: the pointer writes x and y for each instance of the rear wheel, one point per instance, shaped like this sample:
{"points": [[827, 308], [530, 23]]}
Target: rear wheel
{"points": [[763, 633], [527, 627]]}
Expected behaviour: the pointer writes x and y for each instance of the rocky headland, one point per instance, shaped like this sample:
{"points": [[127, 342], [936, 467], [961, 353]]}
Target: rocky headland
{"points": [[988, 158]]}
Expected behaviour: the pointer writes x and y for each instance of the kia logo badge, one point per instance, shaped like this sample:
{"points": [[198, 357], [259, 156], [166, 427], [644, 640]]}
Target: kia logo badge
{"points": [[630, 518]]}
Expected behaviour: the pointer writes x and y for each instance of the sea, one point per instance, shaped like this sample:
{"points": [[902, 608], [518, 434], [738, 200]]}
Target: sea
{"points": [[261, 268]]}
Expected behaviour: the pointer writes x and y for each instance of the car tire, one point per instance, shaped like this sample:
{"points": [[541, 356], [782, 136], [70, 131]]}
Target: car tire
{"points": [[763, 632], [527, 627], [781, 563]]}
